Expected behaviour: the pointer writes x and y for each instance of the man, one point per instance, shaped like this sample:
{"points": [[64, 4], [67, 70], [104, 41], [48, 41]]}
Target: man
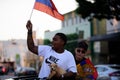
{"points": [[85, 68], [53, 54]]}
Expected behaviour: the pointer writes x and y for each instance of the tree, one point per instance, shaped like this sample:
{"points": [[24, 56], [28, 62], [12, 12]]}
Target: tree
{"points": [[99, 9], [47, 42], [72, 42]]}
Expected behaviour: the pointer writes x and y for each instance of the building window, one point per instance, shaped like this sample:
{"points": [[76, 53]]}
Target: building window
{"points": [[69, 22], [64, 24], [77, 19], [81, 34]]}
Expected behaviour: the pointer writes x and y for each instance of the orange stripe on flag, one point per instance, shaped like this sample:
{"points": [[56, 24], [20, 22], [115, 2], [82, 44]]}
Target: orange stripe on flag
{"points": [[42, 7]]}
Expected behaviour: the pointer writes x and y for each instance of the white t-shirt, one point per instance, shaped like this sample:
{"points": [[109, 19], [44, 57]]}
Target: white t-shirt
{"points": [[64, 60]]}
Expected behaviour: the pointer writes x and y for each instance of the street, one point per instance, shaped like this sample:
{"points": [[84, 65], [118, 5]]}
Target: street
{"points": [[8, 76], [4, 77], [11, 76]]}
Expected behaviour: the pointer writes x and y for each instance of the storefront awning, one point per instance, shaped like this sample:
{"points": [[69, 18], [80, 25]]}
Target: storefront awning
{"points": [[106, 37]]}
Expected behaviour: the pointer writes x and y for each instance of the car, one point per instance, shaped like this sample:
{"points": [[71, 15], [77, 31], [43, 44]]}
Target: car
{"points": [[108, 71], [115, 75], [25, 71], [3, 70]]}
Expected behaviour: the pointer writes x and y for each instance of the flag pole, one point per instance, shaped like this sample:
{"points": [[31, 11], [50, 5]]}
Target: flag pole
{"points": [[32, 11], [31, 14]]}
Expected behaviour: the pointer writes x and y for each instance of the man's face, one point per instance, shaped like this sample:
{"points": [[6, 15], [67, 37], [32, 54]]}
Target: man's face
{"points": [[57, 42], [79, 53]]}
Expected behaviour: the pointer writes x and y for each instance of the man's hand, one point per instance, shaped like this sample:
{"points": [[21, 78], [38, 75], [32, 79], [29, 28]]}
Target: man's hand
{"points": [[56, 71], [29, 25]]}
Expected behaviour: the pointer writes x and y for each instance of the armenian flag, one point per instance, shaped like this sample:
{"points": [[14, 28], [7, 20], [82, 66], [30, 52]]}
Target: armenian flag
{"points": [[48, 7]]}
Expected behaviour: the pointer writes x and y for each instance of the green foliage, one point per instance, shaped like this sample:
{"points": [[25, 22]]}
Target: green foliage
{"points": [[71, 47], [17, 55], [72, 42], [72, 37], [47, 42], [100, 9]]}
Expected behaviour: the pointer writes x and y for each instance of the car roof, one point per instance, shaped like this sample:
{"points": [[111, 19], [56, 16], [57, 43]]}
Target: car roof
{"points": [[116, 66], [26, 68], [107, 65]]}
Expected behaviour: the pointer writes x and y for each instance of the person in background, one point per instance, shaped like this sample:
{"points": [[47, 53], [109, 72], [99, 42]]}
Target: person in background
{"points": [[85, 68], [53, 54]]}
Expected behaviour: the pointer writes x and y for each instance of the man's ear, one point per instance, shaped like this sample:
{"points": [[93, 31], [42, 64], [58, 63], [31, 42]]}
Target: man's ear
{"points": [[75, 50]]}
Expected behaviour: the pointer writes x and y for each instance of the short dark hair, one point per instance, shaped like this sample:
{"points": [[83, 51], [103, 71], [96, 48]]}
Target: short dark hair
{"points": [[63, 37], [83, 44]]}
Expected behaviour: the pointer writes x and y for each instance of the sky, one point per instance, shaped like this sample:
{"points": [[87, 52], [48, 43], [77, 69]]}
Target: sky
{"points": [[14, 15]]}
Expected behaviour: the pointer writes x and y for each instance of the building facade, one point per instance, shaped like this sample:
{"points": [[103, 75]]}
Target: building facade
{"points": [[16, 51], [72, 23], [106, 41]]}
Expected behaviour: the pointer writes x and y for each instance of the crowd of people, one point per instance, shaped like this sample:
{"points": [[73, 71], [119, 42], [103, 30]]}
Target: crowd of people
{"points": [[59, 63]]}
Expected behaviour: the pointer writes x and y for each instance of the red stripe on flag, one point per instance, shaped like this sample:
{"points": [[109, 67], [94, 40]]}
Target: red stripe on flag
{"points": [[51, 11]]}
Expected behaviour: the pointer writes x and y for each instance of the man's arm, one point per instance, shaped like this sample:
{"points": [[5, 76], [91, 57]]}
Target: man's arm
{"points": [[66, 76], [69, 76], [30, 42]]}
